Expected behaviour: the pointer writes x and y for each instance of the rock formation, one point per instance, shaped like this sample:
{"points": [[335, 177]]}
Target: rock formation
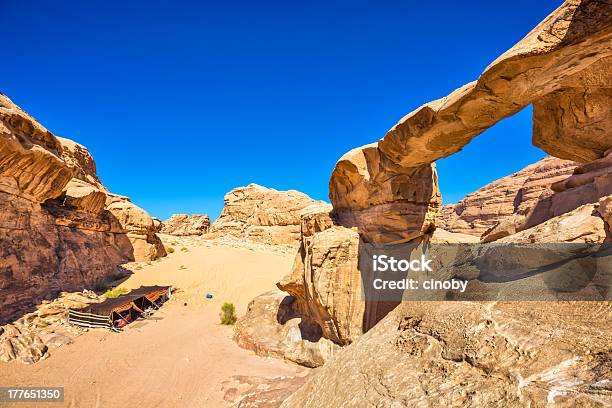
{"points": [[326, 283], [584, 224], [441, 236], [183, 224], [540, 192], [387, 192], [386, 202], [60, 228], [139, 227], [262, 215]]}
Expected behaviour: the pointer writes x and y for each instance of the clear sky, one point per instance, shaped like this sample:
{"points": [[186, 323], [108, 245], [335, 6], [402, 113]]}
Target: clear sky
{"points": [[181, 101]]}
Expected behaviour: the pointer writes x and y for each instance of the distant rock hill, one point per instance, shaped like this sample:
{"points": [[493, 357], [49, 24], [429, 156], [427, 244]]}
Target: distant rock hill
{"points": [[60, 227], [183, 224], [262, 215]]}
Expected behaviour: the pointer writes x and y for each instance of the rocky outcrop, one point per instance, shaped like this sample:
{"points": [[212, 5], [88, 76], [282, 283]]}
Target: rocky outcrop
{"points": [[272, 328], [32, 336], [139, 227], [81, 162], [582, 225], [183, 224], [458, 354], [56, 232], [326, 283], [262, 215], [604, 209], [30, 163], [441, 236], [384, 201], [506, 201], [536, 194]]}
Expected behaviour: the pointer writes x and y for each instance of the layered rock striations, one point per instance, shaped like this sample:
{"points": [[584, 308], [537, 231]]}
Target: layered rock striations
{"points": [[505, 201], [59, 228], [545, 190], [183, 224], [262, 215], [460, 354]]}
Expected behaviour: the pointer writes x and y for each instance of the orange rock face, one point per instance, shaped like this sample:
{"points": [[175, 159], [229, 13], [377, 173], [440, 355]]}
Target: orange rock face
{"points": [[60, 228], [386, 202]]}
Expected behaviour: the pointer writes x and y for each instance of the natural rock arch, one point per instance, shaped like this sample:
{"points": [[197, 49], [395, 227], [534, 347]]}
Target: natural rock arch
{"points": [[387, 191]]}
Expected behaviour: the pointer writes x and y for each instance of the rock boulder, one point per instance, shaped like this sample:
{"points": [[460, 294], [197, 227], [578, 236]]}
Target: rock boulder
{"points": [[272, 328]]}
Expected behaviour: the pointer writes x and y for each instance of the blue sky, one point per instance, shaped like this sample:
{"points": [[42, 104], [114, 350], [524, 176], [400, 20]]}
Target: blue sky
{"points": [[181, 101]]}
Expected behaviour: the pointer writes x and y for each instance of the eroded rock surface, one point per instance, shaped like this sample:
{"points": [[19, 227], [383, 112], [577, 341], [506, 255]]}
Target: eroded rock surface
{"points": [[56, 232], [506, 201], [457, 354], [384, 201], [183, 224], [539, 193], [31, 337], [272, 328], [582, 225], [262, 214], [139, 227], [387, 191], [243, 391], [441, 236]]}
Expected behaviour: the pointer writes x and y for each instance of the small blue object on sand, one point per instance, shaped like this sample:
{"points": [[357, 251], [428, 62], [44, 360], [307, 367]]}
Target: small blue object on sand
{"points": [[209, 296]]}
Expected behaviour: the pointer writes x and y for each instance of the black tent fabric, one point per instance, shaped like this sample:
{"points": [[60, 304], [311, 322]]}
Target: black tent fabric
{"points": [[107, 313]]}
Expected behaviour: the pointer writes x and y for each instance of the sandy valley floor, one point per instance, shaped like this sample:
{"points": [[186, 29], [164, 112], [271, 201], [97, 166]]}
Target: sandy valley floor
{"points": [[182, 357]]}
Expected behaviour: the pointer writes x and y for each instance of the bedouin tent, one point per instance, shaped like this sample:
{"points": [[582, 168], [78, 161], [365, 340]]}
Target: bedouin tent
{"points": [[116, 313]]}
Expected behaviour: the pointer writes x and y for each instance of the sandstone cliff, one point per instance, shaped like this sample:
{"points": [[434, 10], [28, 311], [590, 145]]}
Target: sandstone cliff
{"points": [[536, 194], [504, 200], [60, 228], [262, 215], [183, 224]]}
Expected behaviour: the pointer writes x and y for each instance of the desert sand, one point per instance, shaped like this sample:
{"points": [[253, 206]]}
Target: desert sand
{"points": [[182, 356]]}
